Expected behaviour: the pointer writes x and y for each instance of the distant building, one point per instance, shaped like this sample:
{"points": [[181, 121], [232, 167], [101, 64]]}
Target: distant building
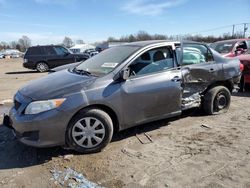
{"points": [[11, 53], [80, 48]]}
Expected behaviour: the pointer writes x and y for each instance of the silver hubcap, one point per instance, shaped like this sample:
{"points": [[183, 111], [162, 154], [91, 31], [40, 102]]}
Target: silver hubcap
{"points": [[88, 132], [42, 67]]}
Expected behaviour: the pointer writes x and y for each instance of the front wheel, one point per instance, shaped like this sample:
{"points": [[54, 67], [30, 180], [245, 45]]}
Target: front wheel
{"points": [[217, 100], [90, 131]]}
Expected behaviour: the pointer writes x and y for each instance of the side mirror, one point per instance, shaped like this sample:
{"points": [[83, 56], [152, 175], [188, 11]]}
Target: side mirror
{"points": [[66, 53], [122, 75], [125, 73]]}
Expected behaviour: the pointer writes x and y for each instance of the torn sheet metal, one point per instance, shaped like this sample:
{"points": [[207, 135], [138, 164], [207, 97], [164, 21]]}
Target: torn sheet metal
{"points": [[192, 101]]}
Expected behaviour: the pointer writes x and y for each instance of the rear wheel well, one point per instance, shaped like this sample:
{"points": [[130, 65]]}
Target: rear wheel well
{"points": [[106, 109], [228, 84]]}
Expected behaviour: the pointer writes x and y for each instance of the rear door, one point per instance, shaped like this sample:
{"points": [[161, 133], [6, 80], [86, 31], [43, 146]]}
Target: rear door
{"points": [[198, 68], [153, 90], [51, 56]]}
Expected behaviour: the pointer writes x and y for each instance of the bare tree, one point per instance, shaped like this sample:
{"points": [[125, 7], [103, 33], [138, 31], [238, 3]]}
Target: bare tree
{"points": [[13, 44], [24, 43], [143, 35], [67, 42], [4, 45]]}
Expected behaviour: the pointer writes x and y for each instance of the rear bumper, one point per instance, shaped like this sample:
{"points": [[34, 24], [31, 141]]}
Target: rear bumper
{"points": [[29, 65]]}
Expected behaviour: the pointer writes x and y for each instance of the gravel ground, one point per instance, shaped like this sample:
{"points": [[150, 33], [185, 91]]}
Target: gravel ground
{"points": [[191, 150]]}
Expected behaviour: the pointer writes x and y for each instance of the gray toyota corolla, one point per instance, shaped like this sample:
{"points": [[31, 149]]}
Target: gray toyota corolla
{"points": [[123, 86]]}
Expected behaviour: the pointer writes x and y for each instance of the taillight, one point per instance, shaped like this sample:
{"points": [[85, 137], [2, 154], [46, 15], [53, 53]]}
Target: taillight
{"points": [[241, 67]]}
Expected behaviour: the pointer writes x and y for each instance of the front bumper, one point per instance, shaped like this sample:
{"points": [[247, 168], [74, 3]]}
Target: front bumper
{"points": [[40, 130]]}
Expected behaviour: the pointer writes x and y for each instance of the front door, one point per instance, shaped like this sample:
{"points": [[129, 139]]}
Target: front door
{"points": [[153, 90], [63, 56]]}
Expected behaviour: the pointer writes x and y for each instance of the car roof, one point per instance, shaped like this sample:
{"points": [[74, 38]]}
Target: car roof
{"points": [[45, 46], [155, 42], [148, 42], [232, 40]]}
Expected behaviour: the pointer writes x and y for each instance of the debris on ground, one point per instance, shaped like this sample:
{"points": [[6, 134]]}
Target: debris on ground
{"points": [[68, 157], [71, 179], [205, 126], [144, 138], [6, 101], [132, 153]]}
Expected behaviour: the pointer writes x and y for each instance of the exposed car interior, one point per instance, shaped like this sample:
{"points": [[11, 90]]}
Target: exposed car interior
{"points": [[241, 45]]}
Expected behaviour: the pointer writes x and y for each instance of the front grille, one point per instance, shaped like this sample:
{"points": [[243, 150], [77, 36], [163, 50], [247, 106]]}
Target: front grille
{"points": [[17, 104]]}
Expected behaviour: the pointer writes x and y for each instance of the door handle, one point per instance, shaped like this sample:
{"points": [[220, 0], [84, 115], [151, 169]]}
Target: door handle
{"points": [[176, 79]]}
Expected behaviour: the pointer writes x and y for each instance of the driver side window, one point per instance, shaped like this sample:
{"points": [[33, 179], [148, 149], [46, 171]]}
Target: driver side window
{"points": [[155, 60], [60, 51]]}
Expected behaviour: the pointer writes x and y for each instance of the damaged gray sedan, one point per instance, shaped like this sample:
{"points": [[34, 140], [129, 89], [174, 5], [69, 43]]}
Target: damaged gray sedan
{"points": [[122, 87]]}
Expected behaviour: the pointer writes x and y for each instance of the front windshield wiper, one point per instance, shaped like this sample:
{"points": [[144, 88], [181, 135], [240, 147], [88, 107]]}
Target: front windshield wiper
{"points": [[83, 72]]}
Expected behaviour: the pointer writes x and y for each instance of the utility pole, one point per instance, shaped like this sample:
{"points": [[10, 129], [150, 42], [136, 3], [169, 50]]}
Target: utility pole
{"points": [[233, 31], [245, 29]]}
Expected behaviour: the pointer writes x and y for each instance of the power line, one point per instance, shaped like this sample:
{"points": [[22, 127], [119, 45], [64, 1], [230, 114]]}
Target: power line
{"points": [[223, 27]]}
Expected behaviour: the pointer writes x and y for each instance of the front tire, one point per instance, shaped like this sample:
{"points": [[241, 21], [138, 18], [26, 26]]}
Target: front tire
{"points": [[90, 131], [217, 100]]}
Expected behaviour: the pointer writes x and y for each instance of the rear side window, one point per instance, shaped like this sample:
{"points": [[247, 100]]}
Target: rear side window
{"points": [[196, 54], [34, 51]]}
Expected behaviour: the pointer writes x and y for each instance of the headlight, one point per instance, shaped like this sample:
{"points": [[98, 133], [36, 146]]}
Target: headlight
{"points": [[42, 106], [25, 60]]}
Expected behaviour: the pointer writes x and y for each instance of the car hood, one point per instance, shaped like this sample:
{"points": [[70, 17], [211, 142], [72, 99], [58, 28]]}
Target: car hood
{"points": [[56, 85], [67, 66]]}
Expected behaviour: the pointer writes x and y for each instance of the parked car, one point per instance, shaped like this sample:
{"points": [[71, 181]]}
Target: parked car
{"points": [[91, 52], [2, 56], [14, 55], [245, 79], [121, 87], [231, 48], [43, 58]]}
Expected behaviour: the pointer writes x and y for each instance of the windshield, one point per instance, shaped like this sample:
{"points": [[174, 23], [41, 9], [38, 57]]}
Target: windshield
{"points": [[106, 61], [223, 47]]}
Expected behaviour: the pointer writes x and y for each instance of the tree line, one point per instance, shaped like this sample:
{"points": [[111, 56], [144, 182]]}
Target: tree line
{"points": [[142, 35], [22, 44], [25, 42]]}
